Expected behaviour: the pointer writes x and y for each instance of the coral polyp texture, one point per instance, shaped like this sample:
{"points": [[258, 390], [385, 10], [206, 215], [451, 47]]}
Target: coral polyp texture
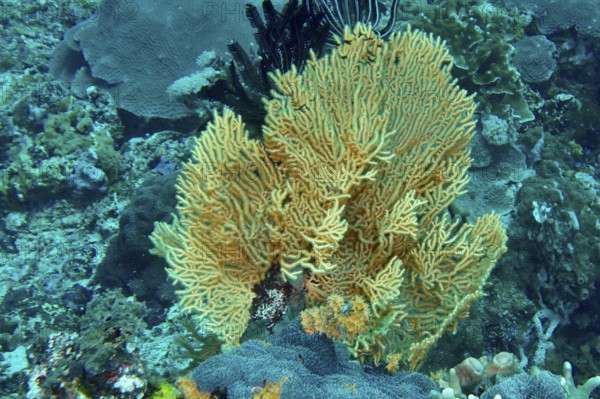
{"points": [[347, 195]]}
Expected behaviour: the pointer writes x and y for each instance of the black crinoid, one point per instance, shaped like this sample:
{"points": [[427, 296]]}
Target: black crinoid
{"points": [[284, 40], [340, 13]]}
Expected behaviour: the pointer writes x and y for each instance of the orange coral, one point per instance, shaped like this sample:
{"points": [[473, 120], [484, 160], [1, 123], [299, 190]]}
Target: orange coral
{"points": [[190, 390], [270, 391], [393, 143], [339, 319], [362, 154], [216, 248]]}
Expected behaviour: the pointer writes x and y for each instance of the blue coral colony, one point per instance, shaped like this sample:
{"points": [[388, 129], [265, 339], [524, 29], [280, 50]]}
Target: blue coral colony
{"points": [[300, 199]]}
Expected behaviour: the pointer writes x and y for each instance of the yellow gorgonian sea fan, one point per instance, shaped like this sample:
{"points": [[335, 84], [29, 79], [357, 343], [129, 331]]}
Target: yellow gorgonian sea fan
{"points": [[363, 152], [217, 246]]}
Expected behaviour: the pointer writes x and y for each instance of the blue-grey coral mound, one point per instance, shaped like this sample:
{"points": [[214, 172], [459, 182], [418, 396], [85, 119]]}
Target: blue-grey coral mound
{"points": [[138, 48], [310, 366], [554, 15], [534, 58], [545, 385]]}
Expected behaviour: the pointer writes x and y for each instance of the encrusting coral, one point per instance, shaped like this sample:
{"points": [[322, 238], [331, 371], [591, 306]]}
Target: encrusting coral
{"points": [[362, 154], [338, 319]]}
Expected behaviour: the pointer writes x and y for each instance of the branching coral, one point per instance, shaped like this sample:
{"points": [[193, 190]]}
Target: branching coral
{"points": [[362, 154], [217, 248]]}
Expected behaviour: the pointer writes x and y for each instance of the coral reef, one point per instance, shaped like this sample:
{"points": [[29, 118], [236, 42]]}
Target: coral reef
{"points": [[310, 366], [534, 58], [551, 15], [479, 37], [73, 152], [284, 39], [347, 196], [127, 264], [339, 319], [82, 180], [101, 360], [122, 28]]}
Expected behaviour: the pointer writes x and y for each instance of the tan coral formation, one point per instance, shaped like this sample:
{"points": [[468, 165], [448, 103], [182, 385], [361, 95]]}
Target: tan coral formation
{"points": [[363, 152]]}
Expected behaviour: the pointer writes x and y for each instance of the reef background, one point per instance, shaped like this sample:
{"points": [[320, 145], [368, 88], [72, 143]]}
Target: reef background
{"points": [[85, 171]]}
